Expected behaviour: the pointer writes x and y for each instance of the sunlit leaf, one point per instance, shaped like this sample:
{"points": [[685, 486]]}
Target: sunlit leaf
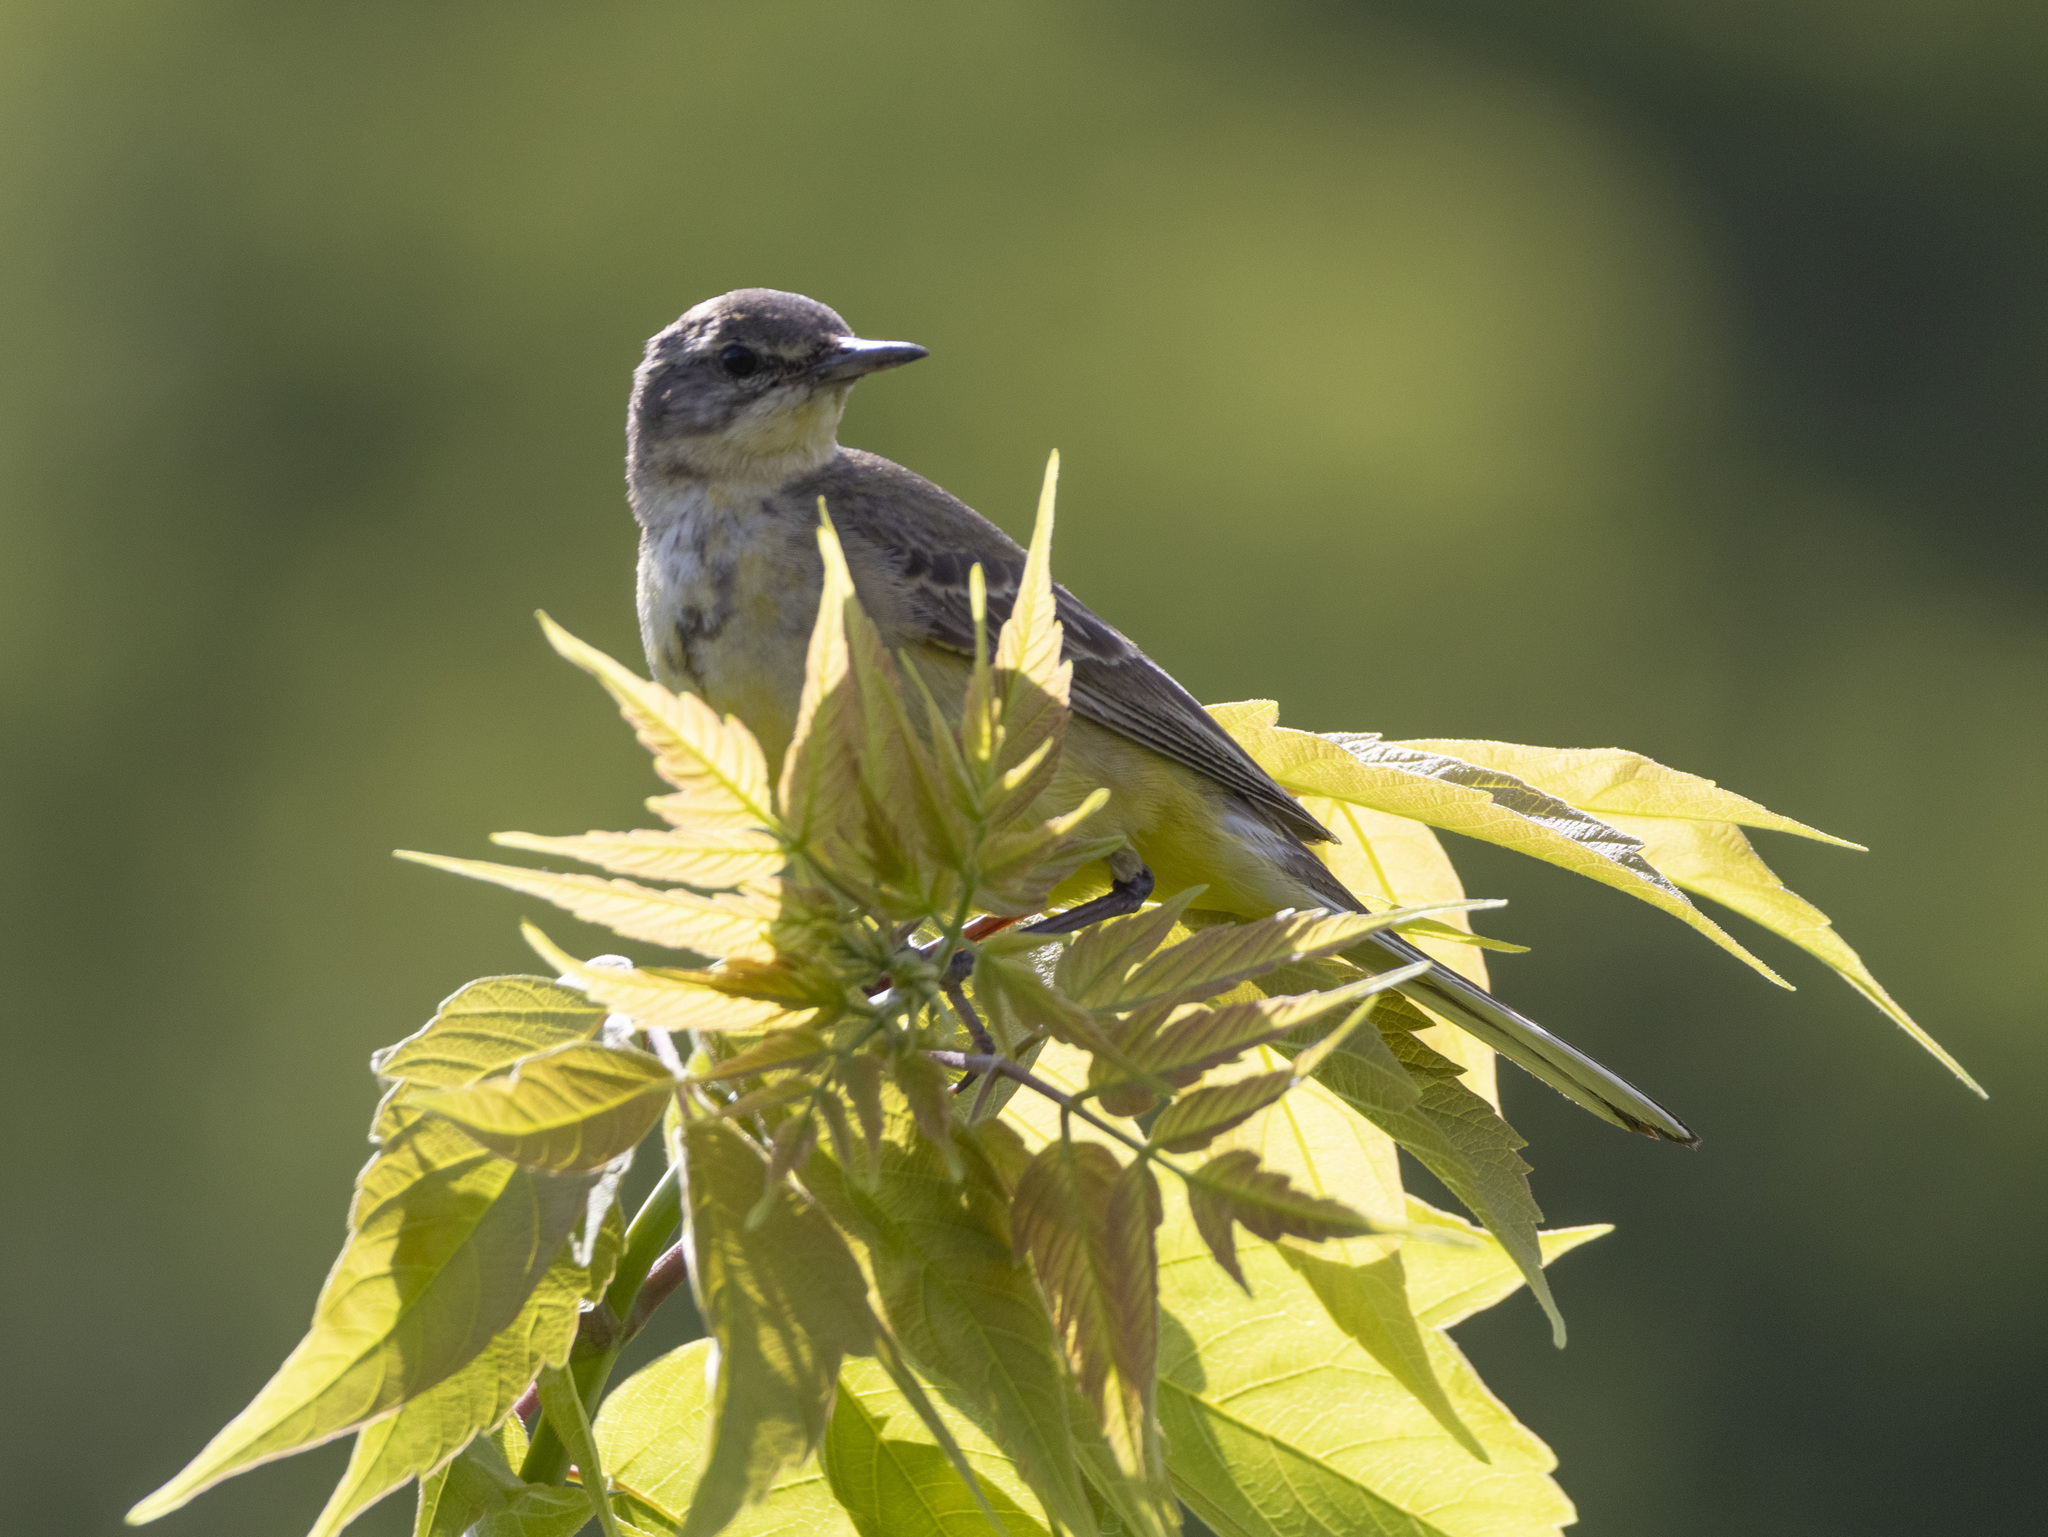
{"points": [[574, 1108], [729, 923], [892, 1479], [652, 1430], [1448, 1283], [1467, 798], [486, 1027], [716, 857], [562, 1403], [656, 998], [715, 764], [784, 1300], [1689, 828], [1279, 1423], [433, 1427], [447, 1242], [478, 1495]]}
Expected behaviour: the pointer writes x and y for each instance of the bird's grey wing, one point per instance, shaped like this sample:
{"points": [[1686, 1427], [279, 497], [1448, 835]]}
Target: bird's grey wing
{"points": [[932, 540], [1115, 685]]}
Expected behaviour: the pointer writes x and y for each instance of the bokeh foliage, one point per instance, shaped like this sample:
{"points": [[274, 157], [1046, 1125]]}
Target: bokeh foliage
{"points": [[1536, 351]]}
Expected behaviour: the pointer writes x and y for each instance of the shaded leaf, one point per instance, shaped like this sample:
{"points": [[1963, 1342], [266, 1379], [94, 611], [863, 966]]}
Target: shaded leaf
{"points": [[1195, 1120], [1232, 1189], [967, 1310], [1094, 965], [563, 1405], [784, 1300], [478, 1495], [652, 1430], [893, 1479]]}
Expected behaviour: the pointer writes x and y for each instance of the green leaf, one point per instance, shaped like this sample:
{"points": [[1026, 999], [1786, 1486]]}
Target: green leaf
{"points": [[716, 766], [1099, 958], [779, 1049], [1689, 829], [430, 1429], [1215, 959], [571, 1109], [1232, 1189], [1448, 1283], [715, 858], [447, 1242], [967, 1310], [785, 1301], [1195, 1039], [1195, 1120], [1462, 797], [893, 1479], [1279, 1424], [730, 923], [1087, 1225], [724, 998], [478, 1495], [652, 1431], [485, 1027], [1455, 1134]]}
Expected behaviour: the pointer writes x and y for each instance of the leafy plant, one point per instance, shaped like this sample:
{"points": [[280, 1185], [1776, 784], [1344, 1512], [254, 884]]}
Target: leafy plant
{"points": [[991, 1228]]}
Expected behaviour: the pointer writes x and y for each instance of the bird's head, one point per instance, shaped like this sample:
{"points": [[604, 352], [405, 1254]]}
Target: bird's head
{"points": [[748, 387]]}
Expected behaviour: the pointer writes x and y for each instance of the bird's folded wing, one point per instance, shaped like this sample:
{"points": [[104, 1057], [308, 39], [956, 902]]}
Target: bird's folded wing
{"points": [[1117, 686]]}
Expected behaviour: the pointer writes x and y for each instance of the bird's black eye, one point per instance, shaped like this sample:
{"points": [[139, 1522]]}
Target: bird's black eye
{"points": [[739, 361]]}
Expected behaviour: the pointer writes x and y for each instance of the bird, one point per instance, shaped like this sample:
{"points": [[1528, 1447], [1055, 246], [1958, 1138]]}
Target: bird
{"points": [[732, 440]]}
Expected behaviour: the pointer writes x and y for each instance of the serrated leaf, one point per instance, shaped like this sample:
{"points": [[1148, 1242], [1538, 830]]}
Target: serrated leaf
{"points": [[652, 1431], [820, 785], [1453, 1133], [478, 1495], [893, 1479], [1448, 1283], [1689, 829], [1102, 955], [1196, 1038], [426, 1432], [785, 1301], [1231, 1189], [967, 1310], [1468, 798], [779, 1049], [732, 924], [1278, 1422], [1018, 1003], [485, 1027], [1087, 1225], [447, 1243], [716, 858], [572, 1109], [720, 999], [1195, 1120], [716, 766]]}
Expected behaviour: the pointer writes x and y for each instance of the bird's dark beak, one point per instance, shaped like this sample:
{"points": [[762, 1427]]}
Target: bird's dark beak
{"points": [[853, 358]]}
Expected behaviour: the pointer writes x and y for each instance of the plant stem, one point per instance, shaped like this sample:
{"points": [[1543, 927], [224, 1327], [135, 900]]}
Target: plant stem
{"points": [[983, 1062]]}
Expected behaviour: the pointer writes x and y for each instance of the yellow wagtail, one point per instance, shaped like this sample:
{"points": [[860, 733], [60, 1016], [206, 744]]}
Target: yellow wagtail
{"points": [[732, 439]]}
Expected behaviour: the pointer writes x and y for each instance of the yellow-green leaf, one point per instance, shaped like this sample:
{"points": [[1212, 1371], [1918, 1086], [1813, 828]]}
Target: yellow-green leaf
{"points": [[574, 1108], [421, 1437], [478, 1495], [716, 766], [1467, 798], [487, 1026], [1689, 829], [652, 1430], [712, 858], [657, 998], [893, 1479], [785, 1301], [447, 1242], [1281, 1424], [730, 923]]}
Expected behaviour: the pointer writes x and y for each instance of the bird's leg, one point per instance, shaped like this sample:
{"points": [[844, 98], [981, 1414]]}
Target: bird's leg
{"points": [[1130, 884]]}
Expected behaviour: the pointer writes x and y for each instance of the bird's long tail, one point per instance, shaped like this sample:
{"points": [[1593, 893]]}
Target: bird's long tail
{"points": [[1524, 1042]]}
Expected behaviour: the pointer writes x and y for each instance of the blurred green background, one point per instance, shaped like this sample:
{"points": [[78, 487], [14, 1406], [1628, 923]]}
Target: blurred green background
{"points": [[1667, 374]]}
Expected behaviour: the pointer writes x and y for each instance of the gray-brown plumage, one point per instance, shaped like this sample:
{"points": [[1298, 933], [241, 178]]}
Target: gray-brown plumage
{"points": [[731, 442]]}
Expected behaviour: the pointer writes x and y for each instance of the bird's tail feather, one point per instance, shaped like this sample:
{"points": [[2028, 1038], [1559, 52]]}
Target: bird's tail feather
{"points": [[1524, 1042]]}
